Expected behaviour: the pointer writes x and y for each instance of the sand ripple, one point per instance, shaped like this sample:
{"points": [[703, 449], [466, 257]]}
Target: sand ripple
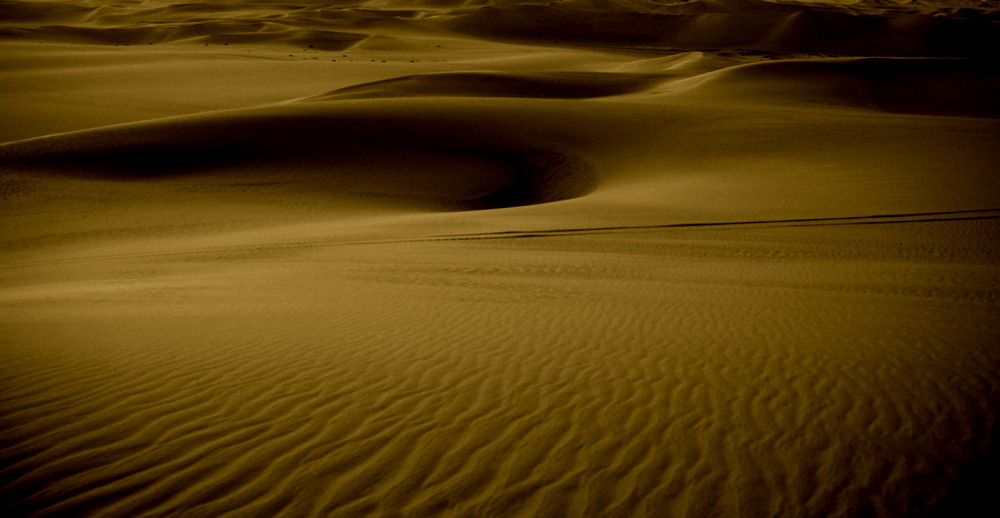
{"points": [[630, 395], [499, 279]]}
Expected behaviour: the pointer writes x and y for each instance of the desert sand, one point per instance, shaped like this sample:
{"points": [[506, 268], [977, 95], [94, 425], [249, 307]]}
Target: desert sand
{"points": [[421, 258]]}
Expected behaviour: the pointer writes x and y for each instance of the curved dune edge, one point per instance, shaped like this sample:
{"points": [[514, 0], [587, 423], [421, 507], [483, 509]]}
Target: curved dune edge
{"points": [[921, 86], [553, 85], [344, 155], [758, 291]]}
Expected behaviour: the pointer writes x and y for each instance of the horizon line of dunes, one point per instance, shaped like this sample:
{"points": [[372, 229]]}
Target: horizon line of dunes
{"points": [[743, 25]]}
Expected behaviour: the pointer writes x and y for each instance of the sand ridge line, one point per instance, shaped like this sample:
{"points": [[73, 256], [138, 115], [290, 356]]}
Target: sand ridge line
{"points": [[881, 219], [461, 160], [548, 85], [901, 85], [679, 346], [842, 220]]}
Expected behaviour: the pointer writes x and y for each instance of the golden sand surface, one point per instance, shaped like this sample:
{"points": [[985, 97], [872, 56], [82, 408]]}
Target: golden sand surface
{"points": [[421, 258]]}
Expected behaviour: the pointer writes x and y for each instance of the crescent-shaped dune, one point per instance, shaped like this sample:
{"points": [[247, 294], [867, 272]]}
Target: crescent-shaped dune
{"points": [[421, 258]]}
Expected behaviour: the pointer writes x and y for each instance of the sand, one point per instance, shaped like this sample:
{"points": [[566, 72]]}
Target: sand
{"points": [[494, 259]]}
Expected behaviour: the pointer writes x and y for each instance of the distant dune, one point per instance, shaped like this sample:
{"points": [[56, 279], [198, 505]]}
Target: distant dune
{"points": [[624, 258], [862, 28], [959, 87], [754, 25]]}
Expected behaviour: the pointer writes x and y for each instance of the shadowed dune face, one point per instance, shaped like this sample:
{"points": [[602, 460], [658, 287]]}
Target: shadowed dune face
{"points": [[554, 85], [345, 155], [463, 258]]}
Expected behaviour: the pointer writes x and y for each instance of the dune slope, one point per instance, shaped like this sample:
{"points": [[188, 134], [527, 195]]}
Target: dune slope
{"points": [[415, 258]]}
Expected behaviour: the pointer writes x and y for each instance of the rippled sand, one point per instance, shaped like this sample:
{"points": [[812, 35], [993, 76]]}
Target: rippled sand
{"points": [[458, 258]]}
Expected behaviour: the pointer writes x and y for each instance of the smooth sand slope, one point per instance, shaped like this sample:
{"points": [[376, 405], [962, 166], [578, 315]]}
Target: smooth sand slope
{"points": [[488, 259]]}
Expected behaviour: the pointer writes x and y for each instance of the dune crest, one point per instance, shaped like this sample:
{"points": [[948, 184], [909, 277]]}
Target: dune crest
{"points": [[355, 153], [552, 85], [516, 258], [956, 87]]}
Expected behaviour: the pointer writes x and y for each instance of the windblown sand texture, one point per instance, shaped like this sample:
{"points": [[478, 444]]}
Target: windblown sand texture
{"points": [[422, 258]]}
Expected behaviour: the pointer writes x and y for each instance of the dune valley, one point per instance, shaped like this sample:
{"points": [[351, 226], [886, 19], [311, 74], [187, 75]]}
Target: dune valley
{"points": [[516, 258]]}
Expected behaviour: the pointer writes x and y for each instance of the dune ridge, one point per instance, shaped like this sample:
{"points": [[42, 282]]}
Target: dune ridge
{"points": [[455, 258], [749, 25], [743, 24], [474, 169], [558, 85], [955, 87]]}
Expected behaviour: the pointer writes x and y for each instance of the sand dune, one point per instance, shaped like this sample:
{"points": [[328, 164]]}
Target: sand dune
{"points": [[467, 258], [564, 85], [742, 24], [957, 87], [594, 402], [913, 30], [437, 158]]}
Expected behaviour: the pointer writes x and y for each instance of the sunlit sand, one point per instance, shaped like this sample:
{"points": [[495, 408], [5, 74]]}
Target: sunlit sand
{"points": [[496, 259]]}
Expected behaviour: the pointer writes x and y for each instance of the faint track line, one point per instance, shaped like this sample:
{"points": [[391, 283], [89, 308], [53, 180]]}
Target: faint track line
{"points": [[878, 219]]}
